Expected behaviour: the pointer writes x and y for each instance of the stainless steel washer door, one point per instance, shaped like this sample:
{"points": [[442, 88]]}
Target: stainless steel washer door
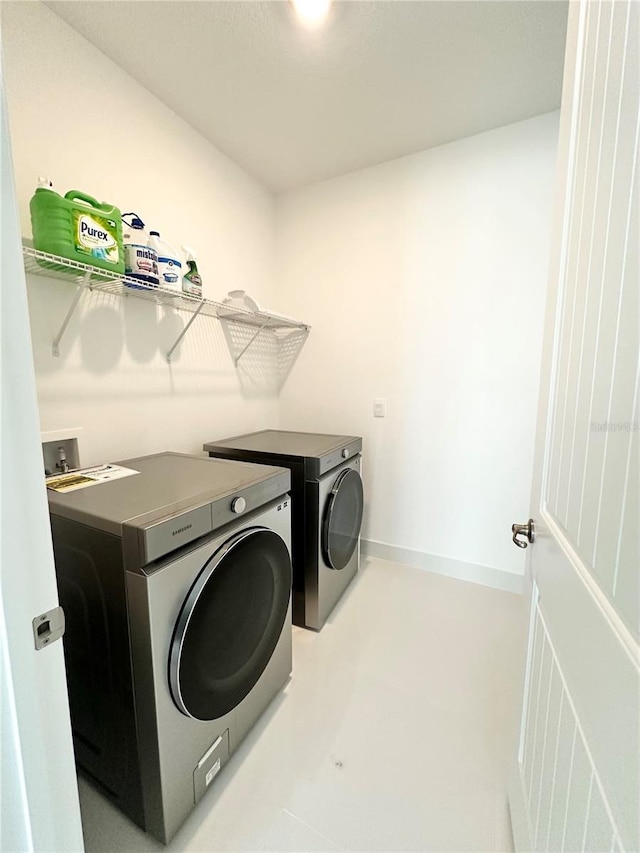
{"points": [[342, 519], [230, 624]]}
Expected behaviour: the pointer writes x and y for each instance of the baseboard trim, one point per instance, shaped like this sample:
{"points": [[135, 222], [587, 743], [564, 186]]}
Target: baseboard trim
{"points": [[459, 569]]}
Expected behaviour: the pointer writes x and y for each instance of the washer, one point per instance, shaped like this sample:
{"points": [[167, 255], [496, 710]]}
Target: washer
{"points": [[175, 583], [327, 506]]}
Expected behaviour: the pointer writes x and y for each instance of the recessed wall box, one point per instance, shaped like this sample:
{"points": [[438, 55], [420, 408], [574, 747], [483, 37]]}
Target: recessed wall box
{"points": [[60, 450]]}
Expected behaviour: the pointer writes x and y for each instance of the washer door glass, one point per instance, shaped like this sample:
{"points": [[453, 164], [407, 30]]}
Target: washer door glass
{"points": [[342, 519], [230, 623]]}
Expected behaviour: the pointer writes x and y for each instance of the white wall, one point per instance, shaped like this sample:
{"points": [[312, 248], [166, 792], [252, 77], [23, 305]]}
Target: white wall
{"points": [[80, 120], [424, 280]]}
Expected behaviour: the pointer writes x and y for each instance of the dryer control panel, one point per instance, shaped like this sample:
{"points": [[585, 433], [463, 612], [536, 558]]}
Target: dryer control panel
{"points": [[335, 458]]}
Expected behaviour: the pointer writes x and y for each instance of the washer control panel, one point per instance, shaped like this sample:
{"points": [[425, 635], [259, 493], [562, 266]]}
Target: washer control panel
{"points": [[238, 505]]}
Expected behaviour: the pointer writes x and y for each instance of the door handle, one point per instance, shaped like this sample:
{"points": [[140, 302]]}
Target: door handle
{"points": [[527, 530]]}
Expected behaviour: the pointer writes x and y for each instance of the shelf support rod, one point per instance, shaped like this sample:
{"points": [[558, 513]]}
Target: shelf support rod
{"points": [[237, 359], [184, 331], [55, 347]]}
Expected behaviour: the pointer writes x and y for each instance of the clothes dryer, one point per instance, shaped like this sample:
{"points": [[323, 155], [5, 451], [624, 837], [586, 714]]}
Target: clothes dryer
{"points": [[327, 506], [175, 583]]}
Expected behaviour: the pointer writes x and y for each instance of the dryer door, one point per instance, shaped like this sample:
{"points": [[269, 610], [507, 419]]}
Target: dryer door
{"points": [[342, 519], [230, 624]]}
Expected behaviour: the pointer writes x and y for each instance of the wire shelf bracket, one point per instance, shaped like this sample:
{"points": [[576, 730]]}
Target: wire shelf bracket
{"points": [[246, 347], [80, 291], [184, 332]]}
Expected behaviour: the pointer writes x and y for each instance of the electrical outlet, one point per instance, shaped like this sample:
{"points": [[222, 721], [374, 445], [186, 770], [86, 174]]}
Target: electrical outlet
{"points": [[379, 407], [60, 450]]}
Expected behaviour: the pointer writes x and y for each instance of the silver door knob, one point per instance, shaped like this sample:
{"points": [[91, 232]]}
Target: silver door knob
{"points": [[527, 530]]}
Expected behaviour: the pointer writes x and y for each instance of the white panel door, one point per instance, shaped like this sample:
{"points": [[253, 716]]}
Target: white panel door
{"points": [[578, 767], [40, 808]]}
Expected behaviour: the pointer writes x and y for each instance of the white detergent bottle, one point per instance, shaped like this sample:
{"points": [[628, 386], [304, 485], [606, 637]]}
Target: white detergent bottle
{"points": [[140, 258], [169, 265]]}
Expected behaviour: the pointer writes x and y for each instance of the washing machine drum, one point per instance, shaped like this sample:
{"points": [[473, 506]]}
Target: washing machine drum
{"points": [[230, 623], [342, 519]]}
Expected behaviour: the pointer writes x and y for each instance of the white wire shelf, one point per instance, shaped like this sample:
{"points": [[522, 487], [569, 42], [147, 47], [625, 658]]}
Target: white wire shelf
{"points": [[243, 327]]}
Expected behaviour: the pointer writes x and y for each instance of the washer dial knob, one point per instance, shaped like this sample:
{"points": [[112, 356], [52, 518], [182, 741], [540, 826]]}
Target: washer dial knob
{"points": [[238, 505], [345, 453]]}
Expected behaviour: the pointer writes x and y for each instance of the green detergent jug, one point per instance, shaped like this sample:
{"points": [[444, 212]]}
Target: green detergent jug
{"points": [[77, 227]]}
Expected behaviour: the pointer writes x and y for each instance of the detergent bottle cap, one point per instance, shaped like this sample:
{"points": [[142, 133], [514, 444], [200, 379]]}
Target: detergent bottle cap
{"points": [[136, 222], [191, 255], [44, 183]]}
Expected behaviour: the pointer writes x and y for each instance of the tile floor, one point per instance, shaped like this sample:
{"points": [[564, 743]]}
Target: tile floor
{"points": [[395, 732]]}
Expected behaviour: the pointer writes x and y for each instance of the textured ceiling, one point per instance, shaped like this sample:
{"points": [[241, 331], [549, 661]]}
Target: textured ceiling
{"points": [[382, 80]]}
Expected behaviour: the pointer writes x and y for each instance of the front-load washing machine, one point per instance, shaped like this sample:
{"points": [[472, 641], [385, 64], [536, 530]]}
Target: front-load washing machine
{"points": [[327, 506], [175, 583]]}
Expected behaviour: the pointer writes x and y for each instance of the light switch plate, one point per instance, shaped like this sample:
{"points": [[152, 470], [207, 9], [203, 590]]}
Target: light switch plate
{"points": [[379, 407]]}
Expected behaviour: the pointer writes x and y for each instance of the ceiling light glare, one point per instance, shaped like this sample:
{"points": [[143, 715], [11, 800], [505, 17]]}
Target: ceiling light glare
{"points": [[312, 14]]}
